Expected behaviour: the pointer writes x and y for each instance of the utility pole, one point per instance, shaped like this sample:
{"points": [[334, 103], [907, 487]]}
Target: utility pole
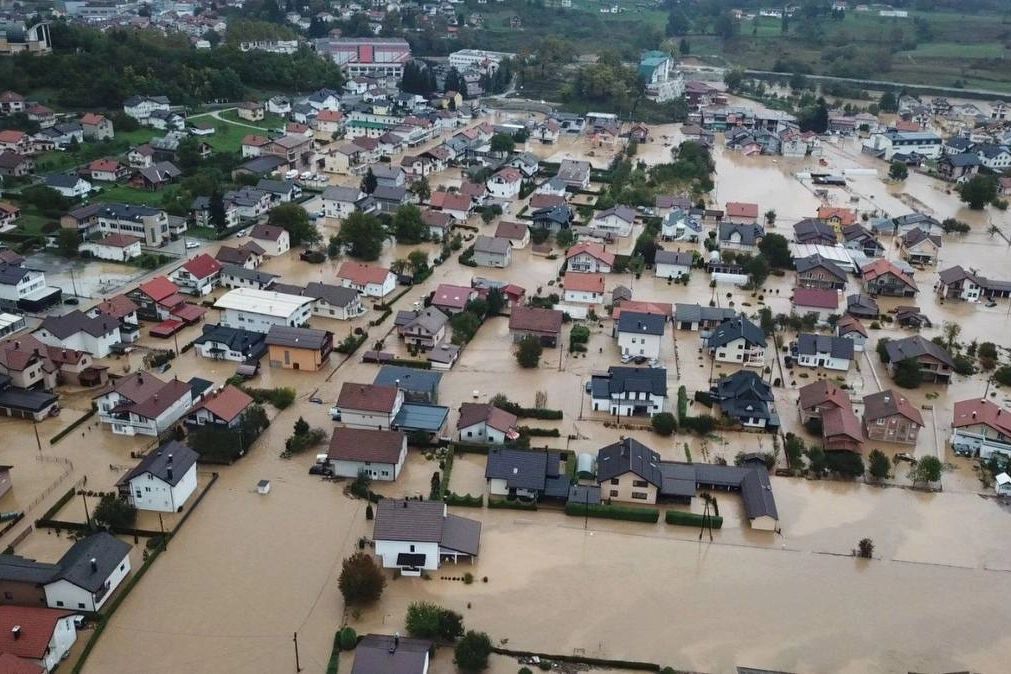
{"points": [[87, 515], [35, 427], [298, 666], [164, 541]]}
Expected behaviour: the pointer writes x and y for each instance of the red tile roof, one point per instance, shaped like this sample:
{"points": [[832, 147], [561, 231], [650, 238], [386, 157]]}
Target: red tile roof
{"points": [[451, 201], [118, 240], [12, 664], [820, 393], [104, 165], [12, 136], [841, 422], [454, 297], [846, 216], [586, 282], [594, 250], [510, 175], [979, 411], [92, 119], [354, 444], [329, 116], [533, 319], [37, 627], [255, 141], [882, 266], [367, 397], [202, 266], [540, 200], [659, 308], [158, 288], [740, 209], [361, 274], [816, 297], [226, 404]]}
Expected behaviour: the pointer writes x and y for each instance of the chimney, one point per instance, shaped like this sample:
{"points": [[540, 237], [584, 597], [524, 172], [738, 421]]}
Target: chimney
{"points": [[405, 505], [17, 344], [396, 642], [16, 632], [974, 414], [170, 459], [94, 565], [168, 471]]}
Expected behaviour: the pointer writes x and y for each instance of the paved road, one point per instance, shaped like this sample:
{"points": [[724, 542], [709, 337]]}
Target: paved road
{"points": [[217, 115]]}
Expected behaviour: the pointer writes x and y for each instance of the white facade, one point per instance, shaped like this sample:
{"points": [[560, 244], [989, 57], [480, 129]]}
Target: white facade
{"points": [[583, 296], [482, 432], [665, 270], [370, 289], [501, 188], [825, 360], [621, 404], [739, 351], [141, 109], [148, 492], [385, 472], [81, 188], [982, 440], [639, 344], [354, 309], [31, 282], [133, 424], [584, 262], [98, 346], [114, 253], [613, 224], [379, 421], [258, 310], [273, 248], [389, 550], [923, 143], [64, 594], [63, 638]]}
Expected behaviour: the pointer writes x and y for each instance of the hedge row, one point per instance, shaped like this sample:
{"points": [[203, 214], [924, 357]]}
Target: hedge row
{"points": [[598, 662], [468, 448], [66, 431], [530, 412], [679, 517], [382, 317], [464, 500], [539, 432], [407, 362], [612, 512], [64, 500], [506, 504]]}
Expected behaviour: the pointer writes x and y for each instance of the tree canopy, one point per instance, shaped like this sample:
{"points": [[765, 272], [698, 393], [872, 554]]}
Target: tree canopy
{"points": [[978, 191], [408, 227], [776, 250], [362, 235], [295, 220], [361, 580]]}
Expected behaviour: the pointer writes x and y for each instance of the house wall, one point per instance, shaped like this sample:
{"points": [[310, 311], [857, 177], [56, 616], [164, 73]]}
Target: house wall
{"points": [[373, 420], [613, 224], [388, 551], [738, 351], [819, 278], [984, 440], [99, 347], [386, 472], [275, 248], [625, 407], [148, 492], [21, 594], [824, 360], [672, 270], [64, 636], [248, 320], [583, 296], [629, 488], [62, 594], [492, 259], [896, 428], [294, 359], [638, 344], [227, 354], [481, 432], [584, 262], [821, 312]]}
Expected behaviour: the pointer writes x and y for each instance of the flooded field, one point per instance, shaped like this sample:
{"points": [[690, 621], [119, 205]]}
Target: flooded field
{"points": [[247, 571]]}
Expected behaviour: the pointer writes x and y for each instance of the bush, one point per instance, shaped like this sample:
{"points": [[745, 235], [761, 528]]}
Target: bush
{"points": [[430, 621], [539, 432], [348, 639], [471, 653], [681, 518], [361, 580], [611, 512], [506, 504], [281, 397], [465, 500], [682, 404], [1003, 375], [664, 423], [115, 513], [703, 424]]}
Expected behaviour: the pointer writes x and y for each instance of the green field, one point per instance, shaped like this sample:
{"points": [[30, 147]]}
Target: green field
{"points": [[125, 194], [268, 122]]}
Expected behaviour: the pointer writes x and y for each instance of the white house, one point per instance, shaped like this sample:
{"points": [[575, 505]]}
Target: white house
{"points": [[739, 341], [114, 247], [827, 351], [888, 144], [142, 404], [378, 454], [199, 276], [163, 480], [584, 288], [367, 406], [369, 280], [617, 220], [486, 423], [850, 327], [491, 251], [69, 185], [981, 427], [506, 183], [89, 573], [25, 289], [272, 239], [337, 302], [590, 258], [141, 107], [76, 330], [257, 310], [416, 536], [34, 639], [629, 391], [640, 334], [673, 264], [339, 202]]}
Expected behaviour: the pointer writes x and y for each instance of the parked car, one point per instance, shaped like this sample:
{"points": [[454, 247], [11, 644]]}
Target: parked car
{"points": [[316, 399], [903, 456], [192, 244], [320, 469]]}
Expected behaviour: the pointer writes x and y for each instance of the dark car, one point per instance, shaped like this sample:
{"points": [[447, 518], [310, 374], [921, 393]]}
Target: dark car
{"points": [[72, 301], [640, 360], [320, 469]]}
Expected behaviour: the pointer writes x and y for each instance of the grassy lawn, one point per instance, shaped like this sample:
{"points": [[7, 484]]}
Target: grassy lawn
{"points": [[952, 50], [32, 223], [138, 137], [269, 121], [226, 137], [125, 194]]}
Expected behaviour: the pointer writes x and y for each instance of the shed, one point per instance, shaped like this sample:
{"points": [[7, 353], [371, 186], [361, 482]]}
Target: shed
{"points": [[263, 487], [584, 466]]}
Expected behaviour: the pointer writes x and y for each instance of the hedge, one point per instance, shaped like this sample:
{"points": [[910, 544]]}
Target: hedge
{"points": [[66, 431], [530, 412], [468, 448], [407, 362], [612, 512], [680, 517], [335, 654], [506, 504], [539, 432], [382, 317], [463, 500], [601, 662]]}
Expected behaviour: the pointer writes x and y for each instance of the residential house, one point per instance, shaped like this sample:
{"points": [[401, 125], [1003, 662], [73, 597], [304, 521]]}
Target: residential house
{"points": [[810, 230], [545, 324], [274, 240], [696, 317], [911, 317], [738, 340], [163, 480], [882, 277], [589, 258], [439, 224], [80, 332], [859, 238], [553, 218], [740, 213], [617, 220], [303, 349], [890, 417], [25, 289], [920, 144], [140, 157], [254, 146], [12, 140], [368, 405], [332, 301], [583, 288], [841, 431], [490, 251], [994, 157], [295, 151], [981, 428], [850, 327], [12, 102], [862, 306], [200, 213], [959, 167], [114, 247], [629, 391], [219, 342], [456, 205], [424, 329], [97, 127], [419, 386], [250, 111], [151, 224], [16, 165], [142, 404], [259, 310], [936, 364], [369, 280], [198, 276], [154, 177], [640, 334], [376, 453], [516, 233], [108, 170], [821, 302], [957, 283], [122, 309], [340, 202], [528, 164], [280, 191], [416, 536], [815, 271], [526, 474], [818, 397], [30, 364], [452, 299], [505, 183], [89, 573], [747, 399], [69, 185], [248, 255], [141, 107], [629, 471], [576, 174], [671, 264], [35, 640], [742, 237], [43, 116], [919, 247], [827, 351], [486, 424], [234, 276], [385, 654], [837, 217]]}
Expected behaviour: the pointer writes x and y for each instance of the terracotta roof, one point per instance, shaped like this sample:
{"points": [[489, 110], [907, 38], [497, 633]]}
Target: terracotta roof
{"points": [[255, 141], [226, 404], [979, 411], [154, 404], [511, 230], [594, 250], [473, 189], [12, 664], [105, 165], [158, 288], [739, 209], [534, 319], [202, 266], [509, 175], [12, 136], [587, 282], [354, 444], [436, 218], [846, 216], [848, 324], [451, 201], [887, 403], [37, 627], [361, 274], [538, 201], [454, 297], [816, 297], [329, 116], [475, 413], [882, 266], [841, 421], [367, 397], [92, 119], [661, 308], [821, 392]]}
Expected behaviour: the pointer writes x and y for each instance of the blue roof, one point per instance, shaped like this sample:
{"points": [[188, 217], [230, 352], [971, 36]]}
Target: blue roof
{"points": [[421, 417], [408, 378]]}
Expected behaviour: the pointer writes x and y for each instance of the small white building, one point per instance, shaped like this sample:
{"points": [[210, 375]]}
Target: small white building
{"points": [[827, 351], [163, 480], [258, 310], [76, 330], [670, 264], [506, 183], [369, 280], [367, 406], [416, 536], [272, 239], [617, 220], [89, 573], [33, 635], [739, 341], [640, 334], [486, 423], [584, 288], [378, 454], [114, 247]]}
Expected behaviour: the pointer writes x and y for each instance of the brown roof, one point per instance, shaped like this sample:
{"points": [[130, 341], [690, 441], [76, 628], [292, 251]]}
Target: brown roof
{"points": [[816, 297], [12, 664], [266, 232], [841, 421], [137, 387], [475, 413], [848, 324], [588, 282], [511, 230], [361, 274], [37, 626], [821, 392], [118, 240], [739, 209], [661, 308], [594, 250], [534, 319], [254, 140], [846, 216], [887, 403], [367, 397], [454, 297], [882, 266], [540, 200], [979, 411], [226, 404], [159, 401], [92, 119], [353, 444], [117, 306]]}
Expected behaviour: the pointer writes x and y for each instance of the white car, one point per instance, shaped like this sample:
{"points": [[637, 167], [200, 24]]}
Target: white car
{"points": [[241, 233], [192, 244]]}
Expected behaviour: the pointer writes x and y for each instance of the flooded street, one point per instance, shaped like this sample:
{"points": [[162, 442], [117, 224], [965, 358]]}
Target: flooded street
{"points": [[248, 570]]}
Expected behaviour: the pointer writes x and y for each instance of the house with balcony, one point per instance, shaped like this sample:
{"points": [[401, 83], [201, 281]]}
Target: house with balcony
{"points": [[143, 404], [640, 334], [629, 391], [163, 480], [198, 276], [882, 277], [423, 328], [260, 310], [936, 364], [981, 428], [331, 301], [859, 238], [739, 341], [78, 331], [616, 221], [25, 289], [815, 271], [890, 417], [827, 351], [747, 399], [368, 406], [919, 247], [819, 397], [122, 309], [417, 536], [224, 408], [850, 327], [219, 342], [589, 258], [743, 237]]}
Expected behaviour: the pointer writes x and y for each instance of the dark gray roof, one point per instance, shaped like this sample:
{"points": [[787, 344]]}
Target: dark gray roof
{"points": [[11, 275], [750, 233], [425, 522], [107, 551], [736, 328], [809, 344], [862, 304], [62, 180], [237, 339], [384, 654], [492, 245], [651, 380], [581, 493], [173, 457], [247, 274], [20, 570], [408, 378], [390, 193], [262, 165], [677, 257], [522, 468], [693, 313], [275, 186], [647, 324], [678, 479], [962, 160], [811, 229], [341, 194], [916, 346], [744, 394], [77, 321], [560, 214], [812, 261], [629, 455], [301, 338]]}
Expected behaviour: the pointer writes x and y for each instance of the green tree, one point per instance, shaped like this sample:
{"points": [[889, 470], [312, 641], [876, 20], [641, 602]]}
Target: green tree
{"points": [[301, 426], [188, 154], [528, 352], [678, 23], [817, 461], [465, 325], [907, 373], [888, 102], [978, 191], [369, 182], [216, 212], [421, 189], [68, 242], [770, 217], [418, 261], [927, 469], [664, 423], [880, 466], [1002, 375], [898, 171], [115, 513], [727, 26], [987, 354], [408, 227], [429, 621], [776, 250], [362, 235], [845, 464], [502, 143], [333, 247], [565, 238], [757, 267], [472, 651], [361, 580], [882, 349], [733, 79], [295, 220], [348, 639], [684, 47]]}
